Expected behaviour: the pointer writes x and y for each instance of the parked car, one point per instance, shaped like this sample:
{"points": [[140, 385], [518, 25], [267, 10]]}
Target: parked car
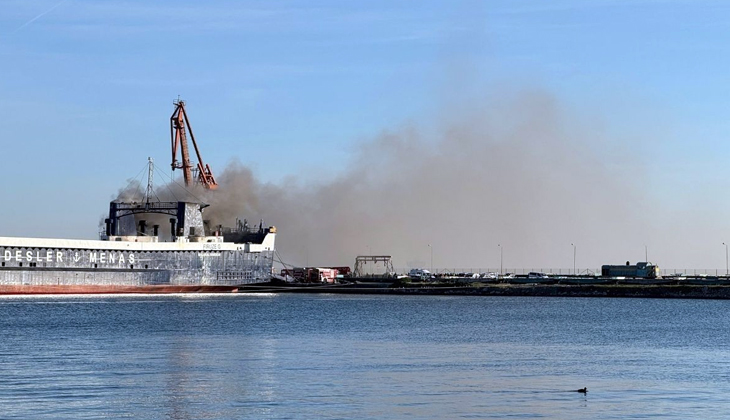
{"points": [[420, 274]]}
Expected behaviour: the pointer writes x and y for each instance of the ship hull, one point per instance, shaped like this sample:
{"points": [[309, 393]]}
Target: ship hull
{"points": [[102, 289], [38, 266]]}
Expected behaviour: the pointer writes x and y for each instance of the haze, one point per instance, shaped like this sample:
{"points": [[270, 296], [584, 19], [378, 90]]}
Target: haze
{"points": [[381, 128]]}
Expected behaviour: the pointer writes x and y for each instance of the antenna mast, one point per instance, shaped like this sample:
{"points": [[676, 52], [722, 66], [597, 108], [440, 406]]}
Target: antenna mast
{"points": [[178, 122], [150, 174]]}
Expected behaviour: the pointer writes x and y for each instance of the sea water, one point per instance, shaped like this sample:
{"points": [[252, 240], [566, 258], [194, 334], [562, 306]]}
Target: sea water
{"points": [[294, 356]]}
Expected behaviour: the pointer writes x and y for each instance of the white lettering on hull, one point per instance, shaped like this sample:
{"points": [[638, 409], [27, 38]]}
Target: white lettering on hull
{"points": [[108, 258]]}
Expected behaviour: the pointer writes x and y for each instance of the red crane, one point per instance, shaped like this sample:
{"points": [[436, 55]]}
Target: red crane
{"points": [[178, 122]]}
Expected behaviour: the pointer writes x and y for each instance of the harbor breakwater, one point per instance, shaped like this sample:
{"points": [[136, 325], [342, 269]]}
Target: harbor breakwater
{"points": [[551, 290]]}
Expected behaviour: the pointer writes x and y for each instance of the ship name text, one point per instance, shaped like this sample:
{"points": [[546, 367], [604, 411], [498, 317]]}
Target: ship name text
{"points": [[60, 257]]}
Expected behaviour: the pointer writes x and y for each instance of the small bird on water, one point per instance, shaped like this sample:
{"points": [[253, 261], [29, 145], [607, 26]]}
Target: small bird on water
{"points": [[582, 390]]}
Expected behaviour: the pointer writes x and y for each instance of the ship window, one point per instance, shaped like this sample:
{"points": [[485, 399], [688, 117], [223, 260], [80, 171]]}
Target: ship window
{"points": [[145, 266], [3, 264], [131, 266], [20, 264], [96, 265]]}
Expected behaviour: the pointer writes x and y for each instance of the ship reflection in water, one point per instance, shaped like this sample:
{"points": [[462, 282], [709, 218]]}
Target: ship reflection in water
{"points": [[335, 356]]}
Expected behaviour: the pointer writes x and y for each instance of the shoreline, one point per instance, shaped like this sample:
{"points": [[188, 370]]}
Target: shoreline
{"points": [[682, 291]]}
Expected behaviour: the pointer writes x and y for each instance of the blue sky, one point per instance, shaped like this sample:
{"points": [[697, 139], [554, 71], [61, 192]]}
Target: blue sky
{"points": [[86, 87]]}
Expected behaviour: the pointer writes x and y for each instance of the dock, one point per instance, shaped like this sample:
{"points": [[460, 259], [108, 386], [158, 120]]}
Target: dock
{"points": [[688, 290]]}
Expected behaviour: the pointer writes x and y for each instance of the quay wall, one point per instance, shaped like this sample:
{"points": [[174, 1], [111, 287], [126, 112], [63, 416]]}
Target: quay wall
{"points": [[553, 290]]}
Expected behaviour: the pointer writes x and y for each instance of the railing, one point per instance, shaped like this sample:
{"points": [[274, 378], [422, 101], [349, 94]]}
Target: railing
{"points": [[569, 271], [694, 271], [557, 271]]}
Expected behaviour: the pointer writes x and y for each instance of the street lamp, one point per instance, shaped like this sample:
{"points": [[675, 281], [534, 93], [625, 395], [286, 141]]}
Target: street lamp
{"points": [[726, 266], [431, 248], [501, 272], [573, 259]]}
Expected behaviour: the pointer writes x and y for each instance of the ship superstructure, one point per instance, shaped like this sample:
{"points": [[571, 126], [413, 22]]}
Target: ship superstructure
{"points": [[185, 256]]}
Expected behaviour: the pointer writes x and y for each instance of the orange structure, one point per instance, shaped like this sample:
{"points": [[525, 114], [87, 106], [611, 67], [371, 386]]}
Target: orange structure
{"points": [[178, 122]]}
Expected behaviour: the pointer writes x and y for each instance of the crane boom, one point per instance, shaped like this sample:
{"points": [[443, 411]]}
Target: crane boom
{"points": [[178, 138]]}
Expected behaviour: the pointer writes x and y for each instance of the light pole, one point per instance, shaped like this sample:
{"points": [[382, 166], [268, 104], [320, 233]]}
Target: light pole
{"points": [[646, 253], [573, 259], [726, 266], [431, 248], [501, 272]]}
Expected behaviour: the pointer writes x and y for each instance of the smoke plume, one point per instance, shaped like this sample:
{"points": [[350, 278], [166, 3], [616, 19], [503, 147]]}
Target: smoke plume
{"points": [[518, 177]]}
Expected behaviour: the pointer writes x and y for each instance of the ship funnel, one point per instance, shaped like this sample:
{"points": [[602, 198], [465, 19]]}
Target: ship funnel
{"points": [[172, 226]]}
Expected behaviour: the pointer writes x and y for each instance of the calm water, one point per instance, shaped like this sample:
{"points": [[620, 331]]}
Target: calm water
{"points": [[330, 356]]}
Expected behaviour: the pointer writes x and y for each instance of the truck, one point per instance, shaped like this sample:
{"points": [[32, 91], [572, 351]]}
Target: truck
{"points": [[312, 274], [420, 274], [643, 270]]}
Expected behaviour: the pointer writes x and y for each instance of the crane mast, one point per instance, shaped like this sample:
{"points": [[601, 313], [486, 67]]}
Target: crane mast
{"points": [[178, 123]]}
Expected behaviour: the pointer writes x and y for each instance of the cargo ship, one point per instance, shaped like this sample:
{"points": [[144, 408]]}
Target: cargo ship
{"points": [[135, 253], [190, 261]]}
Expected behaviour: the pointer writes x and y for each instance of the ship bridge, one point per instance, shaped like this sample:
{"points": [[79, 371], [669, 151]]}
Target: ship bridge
{"points": [[187, 218]]}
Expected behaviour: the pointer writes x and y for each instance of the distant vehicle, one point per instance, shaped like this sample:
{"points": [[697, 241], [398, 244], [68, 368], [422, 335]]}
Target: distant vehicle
{"points": [[420, 274], [536, 275], [641, 269], [508, 276], [490, 275]]}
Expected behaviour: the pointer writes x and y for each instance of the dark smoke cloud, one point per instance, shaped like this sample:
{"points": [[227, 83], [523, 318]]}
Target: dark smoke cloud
{"points": [[520, 173]]}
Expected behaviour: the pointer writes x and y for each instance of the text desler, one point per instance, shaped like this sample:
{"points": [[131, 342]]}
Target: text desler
{"points": [[57, 256]]}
